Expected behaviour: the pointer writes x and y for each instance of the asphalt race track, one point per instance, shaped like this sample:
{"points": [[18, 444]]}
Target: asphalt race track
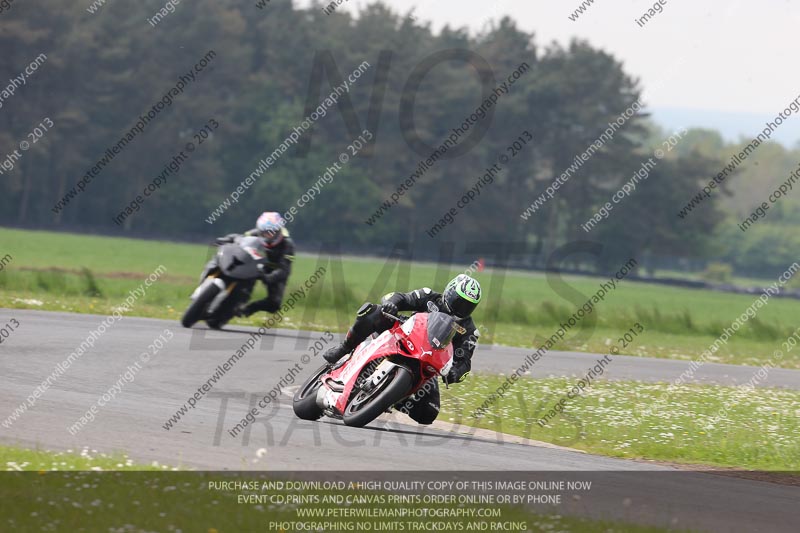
{"points": [[133, 421]]}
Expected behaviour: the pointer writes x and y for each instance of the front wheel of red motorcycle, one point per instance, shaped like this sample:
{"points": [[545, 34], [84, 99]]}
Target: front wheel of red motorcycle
{"points": [[304, 402], [366, 406]]}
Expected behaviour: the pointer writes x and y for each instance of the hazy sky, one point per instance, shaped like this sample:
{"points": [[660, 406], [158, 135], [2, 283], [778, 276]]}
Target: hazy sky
{"points": [[713, 55]]}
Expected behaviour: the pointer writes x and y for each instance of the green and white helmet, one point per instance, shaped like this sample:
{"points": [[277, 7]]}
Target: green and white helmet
{"points": [[461, 296]]}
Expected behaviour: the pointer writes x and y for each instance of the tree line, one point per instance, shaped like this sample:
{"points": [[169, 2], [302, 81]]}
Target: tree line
{"points": [[274, 65]]}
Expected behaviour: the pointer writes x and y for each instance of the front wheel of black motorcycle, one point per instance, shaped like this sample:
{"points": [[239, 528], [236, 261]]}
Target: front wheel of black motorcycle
{"points": [[366, 406], [215, 323], [304, 402], [197, 308]]}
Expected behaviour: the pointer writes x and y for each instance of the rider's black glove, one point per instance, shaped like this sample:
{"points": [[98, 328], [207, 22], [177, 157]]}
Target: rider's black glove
{"points": [[227, 239], [390, 308], [455, 376]]}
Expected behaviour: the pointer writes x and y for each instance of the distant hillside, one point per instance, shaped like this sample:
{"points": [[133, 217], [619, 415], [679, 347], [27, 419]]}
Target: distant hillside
{"points": [[730, 124]]}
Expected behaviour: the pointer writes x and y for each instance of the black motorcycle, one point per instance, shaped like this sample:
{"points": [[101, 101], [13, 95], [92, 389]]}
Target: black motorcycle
{"points": [[227, 281]]}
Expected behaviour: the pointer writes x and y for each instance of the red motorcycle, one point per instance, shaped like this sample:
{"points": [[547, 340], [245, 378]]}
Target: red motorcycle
{"points": [[381, 371]]}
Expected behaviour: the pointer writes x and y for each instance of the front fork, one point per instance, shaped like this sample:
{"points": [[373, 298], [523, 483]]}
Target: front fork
{"points": [[225, 291], [327, 398], [209, 268]]}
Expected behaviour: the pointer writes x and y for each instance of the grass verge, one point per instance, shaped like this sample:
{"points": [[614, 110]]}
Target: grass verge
{"points": [[22, 459], [45, 500], [751, 429]]}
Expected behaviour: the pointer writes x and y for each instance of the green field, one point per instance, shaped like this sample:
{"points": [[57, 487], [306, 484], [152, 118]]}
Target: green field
{"points": [[89, 274]]}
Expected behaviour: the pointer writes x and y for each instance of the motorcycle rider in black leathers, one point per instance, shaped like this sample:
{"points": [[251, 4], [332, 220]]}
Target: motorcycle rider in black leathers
{"points": [[270, 226], [459, 299]]}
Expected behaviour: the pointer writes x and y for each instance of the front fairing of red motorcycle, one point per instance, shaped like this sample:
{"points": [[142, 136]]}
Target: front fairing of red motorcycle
{"points": [[413, 334], [409, 340]]}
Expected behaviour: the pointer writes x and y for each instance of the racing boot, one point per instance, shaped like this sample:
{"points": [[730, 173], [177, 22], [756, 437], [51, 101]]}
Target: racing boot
{"points": [[242, 309], [333, 355], [358, 332]]}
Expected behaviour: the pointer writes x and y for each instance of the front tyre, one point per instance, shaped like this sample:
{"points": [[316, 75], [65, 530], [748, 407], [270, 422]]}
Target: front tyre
{"points": [[304, 402], [197, 308], [215, 323], [366, 406]]}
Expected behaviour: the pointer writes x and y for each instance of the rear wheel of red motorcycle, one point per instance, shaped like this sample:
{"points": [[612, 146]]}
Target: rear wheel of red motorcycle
{"points": [[304, 402], [366, 406]]}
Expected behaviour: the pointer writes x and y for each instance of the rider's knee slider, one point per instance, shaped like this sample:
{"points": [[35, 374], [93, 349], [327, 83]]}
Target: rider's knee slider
{"points": [[365, 309]]}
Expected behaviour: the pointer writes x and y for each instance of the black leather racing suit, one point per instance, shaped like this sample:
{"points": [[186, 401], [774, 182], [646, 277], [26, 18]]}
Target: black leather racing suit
{"points": [[423, 407], [276, 272]]}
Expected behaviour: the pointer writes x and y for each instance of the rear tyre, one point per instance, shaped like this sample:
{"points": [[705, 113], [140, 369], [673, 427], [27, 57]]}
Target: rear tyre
{"points": [[364, 407], [197, 308], [304, 402]]}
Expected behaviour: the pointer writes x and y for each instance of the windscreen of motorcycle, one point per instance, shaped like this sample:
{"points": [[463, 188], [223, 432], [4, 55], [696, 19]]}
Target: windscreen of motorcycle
{"points": [[240, 260], [408, 325], [441, 330], [254, 246]]}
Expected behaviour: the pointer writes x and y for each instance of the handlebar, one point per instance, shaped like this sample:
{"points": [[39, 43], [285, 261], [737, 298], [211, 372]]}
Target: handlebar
{"points": [[400, 319]]}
